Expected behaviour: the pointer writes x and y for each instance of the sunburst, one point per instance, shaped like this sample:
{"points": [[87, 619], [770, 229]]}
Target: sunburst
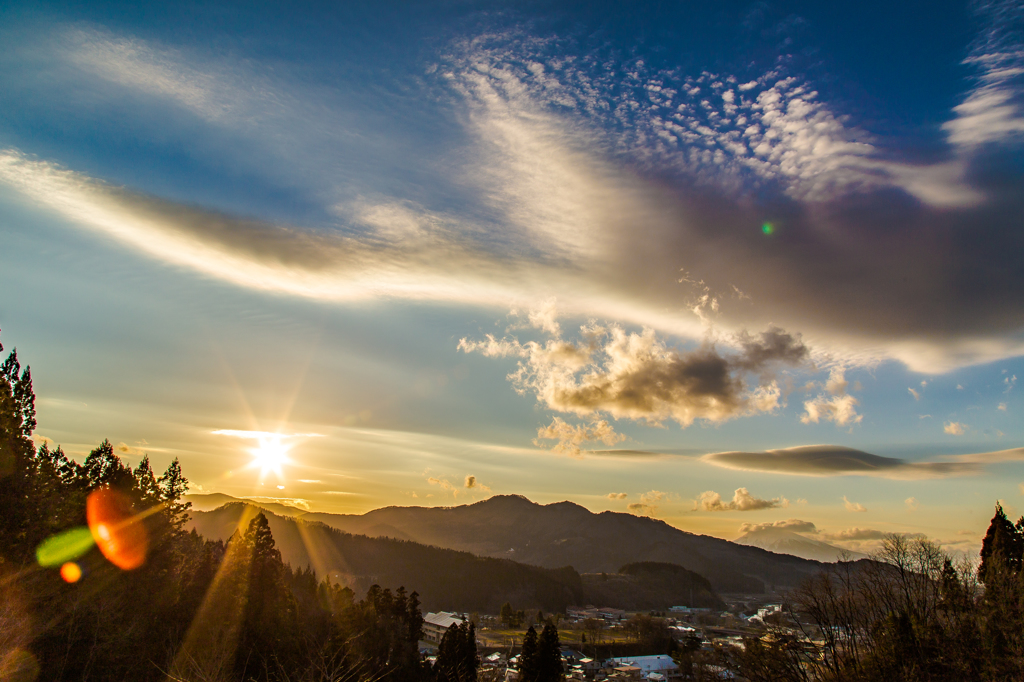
{"points": [[270, 455]]}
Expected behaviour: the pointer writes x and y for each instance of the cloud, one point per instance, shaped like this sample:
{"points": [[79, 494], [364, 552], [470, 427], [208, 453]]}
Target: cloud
{"points": [[126, 449], [742, 500], [616, 496], [917, 396], [837, 383], [836, 460], [794, 525], [263, 435], [648, 504], [473, 484], [594, 178], [857, 534], [853, 506], [636, 376], [546, 318], [444, 484], [1010, 382], [955, 428], [912, 503], [290, 501], [1001, 407], [571, 437], [839, 409]]}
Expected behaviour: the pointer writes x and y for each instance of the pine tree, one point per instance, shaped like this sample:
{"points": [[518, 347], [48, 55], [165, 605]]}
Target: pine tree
{"points": [[103, 468], [470, 660], [415, 618], [173, 485], [1002, 547], [549, 656], [529, 668], [145, 482], [17, 421]]}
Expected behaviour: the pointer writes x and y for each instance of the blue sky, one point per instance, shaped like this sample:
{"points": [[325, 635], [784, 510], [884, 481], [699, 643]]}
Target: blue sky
{"points": [[449, 250]]}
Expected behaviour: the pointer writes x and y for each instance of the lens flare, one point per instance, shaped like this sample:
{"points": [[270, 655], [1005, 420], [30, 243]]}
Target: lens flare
{"points": [[71, 572], [63, 547], [118, 533], [768, 228]]}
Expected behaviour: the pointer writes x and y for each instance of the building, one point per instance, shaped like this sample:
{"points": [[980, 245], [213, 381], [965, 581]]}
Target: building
{"points": [[661, 665], [436, 624]]}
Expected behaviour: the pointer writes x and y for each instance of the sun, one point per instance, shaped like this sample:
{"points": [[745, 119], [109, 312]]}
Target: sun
{"points": [[270, 455]]}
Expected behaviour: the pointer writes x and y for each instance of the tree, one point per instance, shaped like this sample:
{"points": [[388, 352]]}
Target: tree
{"points": [[457, 660], [549, 655], [506, 614], [173, 485], [529, 665], [269, 622], [1002, 547], [17, 421]]}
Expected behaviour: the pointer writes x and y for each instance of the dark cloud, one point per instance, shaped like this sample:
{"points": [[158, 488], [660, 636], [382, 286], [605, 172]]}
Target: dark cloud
{"points": [[636, 376], [831, 460]]}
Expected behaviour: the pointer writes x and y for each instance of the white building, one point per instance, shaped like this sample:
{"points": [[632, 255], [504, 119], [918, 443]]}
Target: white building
{"points": [[436, 624], [649, 665]]}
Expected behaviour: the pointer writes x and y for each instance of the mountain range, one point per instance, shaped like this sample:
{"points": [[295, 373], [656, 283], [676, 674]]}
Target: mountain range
{"points": [[565, 534]]}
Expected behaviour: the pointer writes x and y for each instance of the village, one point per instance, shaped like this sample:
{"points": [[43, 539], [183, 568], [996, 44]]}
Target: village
{"points": [[602, 643]]}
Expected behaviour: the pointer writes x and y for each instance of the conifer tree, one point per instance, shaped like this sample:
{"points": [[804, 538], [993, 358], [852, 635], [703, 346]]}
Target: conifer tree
{"points": [[549, 657], [528, 661], [173, 485], [17, 421], [1002, 547]]}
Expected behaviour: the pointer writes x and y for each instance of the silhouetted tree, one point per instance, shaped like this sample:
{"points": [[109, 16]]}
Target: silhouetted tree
{"points": [[1002, 547], [549, 656], [529, 663]]}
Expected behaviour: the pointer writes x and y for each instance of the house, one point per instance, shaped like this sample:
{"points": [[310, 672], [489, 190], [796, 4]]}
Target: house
{"points": [[436, 624], [648, 665], [611, 615]]}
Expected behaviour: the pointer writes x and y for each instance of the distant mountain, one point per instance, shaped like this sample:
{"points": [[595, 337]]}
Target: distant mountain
{"points": [[211, 501], [445, 579], [787, 542], [566, 534]]}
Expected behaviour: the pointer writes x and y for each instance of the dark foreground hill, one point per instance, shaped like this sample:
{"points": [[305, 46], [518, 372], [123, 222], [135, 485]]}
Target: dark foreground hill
{"points": [[446, 579], [566, 534], [650, 586]]}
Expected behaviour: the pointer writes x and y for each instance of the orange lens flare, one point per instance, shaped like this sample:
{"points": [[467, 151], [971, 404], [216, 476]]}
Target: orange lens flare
{"points": [[71, 572], [118, 533]]}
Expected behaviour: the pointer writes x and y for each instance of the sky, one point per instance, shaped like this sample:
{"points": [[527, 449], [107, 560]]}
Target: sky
{"points": [[751, 264]]}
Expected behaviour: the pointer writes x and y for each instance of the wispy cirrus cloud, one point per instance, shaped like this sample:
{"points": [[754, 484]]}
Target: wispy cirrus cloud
{"points": [[552, 152], [853, 506]]}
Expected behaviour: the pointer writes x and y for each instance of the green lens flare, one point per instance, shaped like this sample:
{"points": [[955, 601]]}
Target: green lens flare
{"points": [[66, 546], [767, 228]]}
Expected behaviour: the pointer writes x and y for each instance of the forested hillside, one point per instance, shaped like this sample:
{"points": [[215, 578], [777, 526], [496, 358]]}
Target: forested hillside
{"points": [[100, 580], [446, 579], [566, 534]]}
